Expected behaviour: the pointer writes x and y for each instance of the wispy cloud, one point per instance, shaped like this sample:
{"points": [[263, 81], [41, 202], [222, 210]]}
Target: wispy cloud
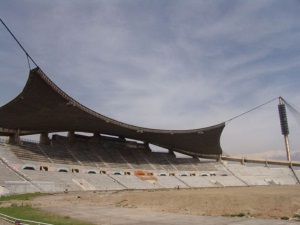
{"points": [[164, 64]]}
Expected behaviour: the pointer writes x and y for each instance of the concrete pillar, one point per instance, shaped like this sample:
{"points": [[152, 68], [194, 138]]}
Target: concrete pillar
{"points": [[147, 147], [71, 136], [243, 161], [122, 138], [44, 139], [12, 138], [15, 137], [171, 152], [96, 138]]}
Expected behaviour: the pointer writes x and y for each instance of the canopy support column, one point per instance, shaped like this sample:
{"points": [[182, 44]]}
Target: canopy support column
{"points": [[15, 137], [96, 138], [44, 139], [171, 152], [71, 136]]}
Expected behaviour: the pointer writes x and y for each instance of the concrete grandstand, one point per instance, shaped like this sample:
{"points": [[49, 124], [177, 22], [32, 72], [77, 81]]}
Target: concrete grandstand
{"points": [[101, 162]]}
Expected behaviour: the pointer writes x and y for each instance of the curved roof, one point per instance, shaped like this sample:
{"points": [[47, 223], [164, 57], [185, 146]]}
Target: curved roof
{"points": [[44, 107]]}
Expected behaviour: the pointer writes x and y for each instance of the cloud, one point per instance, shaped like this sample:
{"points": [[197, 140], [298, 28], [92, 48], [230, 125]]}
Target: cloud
{"points": [[164, 64]]}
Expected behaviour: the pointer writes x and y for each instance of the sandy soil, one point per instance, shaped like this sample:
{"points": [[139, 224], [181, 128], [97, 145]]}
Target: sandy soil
{"points": [[260, 202]]}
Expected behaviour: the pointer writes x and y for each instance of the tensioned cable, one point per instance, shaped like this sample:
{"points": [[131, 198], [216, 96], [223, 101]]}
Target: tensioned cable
{"points": [[27, 55], [294, 110], [227, 121], [28, 62], [291, 105]]}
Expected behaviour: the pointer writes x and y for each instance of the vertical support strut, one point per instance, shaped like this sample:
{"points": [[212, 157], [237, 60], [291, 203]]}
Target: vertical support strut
{"points": [[284, 127]]}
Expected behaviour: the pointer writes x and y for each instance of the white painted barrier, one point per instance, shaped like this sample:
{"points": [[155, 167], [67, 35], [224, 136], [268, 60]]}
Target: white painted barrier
{"points": [[13, 219]]}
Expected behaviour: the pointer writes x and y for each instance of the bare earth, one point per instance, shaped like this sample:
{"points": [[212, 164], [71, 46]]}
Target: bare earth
{"points": [[259, 202], [176, 207]]}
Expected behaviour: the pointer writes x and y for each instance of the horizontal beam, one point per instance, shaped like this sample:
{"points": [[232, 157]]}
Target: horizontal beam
{"points": [[262, 161]]}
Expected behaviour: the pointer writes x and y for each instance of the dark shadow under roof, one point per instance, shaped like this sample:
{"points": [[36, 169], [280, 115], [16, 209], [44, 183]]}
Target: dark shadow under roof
{"points": [[43, 107]]}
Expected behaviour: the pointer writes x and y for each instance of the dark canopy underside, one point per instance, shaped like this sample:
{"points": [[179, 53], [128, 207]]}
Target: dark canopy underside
{"points": [[43, 107]]}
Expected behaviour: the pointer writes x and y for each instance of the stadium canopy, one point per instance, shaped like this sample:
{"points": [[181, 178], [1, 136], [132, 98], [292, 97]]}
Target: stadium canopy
{"points": [[42, 107]]}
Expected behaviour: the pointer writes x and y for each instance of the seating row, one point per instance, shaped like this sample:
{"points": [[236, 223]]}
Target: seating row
{"points": [[109, 156]]}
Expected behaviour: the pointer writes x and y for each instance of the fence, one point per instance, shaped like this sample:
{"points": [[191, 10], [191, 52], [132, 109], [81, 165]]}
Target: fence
{"points": [[23, 222]]}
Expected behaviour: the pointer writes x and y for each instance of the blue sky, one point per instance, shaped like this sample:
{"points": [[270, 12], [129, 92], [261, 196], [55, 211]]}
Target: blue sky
{"points": [[164, 64]]}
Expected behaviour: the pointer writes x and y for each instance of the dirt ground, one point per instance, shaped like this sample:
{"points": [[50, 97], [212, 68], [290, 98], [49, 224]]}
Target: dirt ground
{"points": [[259, 202]]}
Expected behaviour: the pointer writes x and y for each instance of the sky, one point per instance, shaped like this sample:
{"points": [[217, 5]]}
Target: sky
{"points": [[167, 64]]}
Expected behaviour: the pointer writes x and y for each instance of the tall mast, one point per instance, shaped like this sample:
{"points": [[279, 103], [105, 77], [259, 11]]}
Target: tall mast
{"points": [[284, 127]]}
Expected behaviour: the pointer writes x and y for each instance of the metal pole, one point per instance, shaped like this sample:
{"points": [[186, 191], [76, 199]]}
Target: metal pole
{"points": [[286, 138]]}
